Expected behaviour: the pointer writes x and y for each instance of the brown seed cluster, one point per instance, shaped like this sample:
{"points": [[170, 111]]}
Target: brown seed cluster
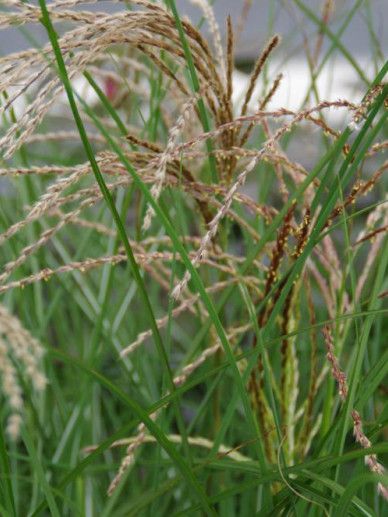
{"points": [[360, 437]]}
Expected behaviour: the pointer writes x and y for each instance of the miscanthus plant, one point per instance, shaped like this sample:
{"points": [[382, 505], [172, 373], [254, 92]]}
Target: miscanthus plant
{"points": [[191, 320]]}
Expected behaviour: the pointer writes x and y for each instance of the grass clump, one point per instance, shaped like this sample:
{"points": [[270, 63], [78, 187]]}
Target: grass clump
{"points": [[211, 307]]}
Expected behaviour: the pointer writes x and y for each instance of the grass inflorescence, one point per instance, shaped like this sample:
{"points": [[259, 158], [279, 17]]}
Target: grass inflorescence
{"points": [[192, 286]]}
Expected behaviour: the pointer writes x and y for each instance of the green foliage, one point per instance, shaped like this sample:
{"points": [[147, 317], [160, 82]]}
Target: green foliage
{"points": [[228, 401]]}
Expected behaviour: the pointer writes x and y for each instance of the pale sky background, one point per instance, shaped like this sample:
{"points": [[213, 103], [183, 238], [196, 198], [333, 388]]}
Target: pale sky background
{"points": [[265, 18], [337, 80]]}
